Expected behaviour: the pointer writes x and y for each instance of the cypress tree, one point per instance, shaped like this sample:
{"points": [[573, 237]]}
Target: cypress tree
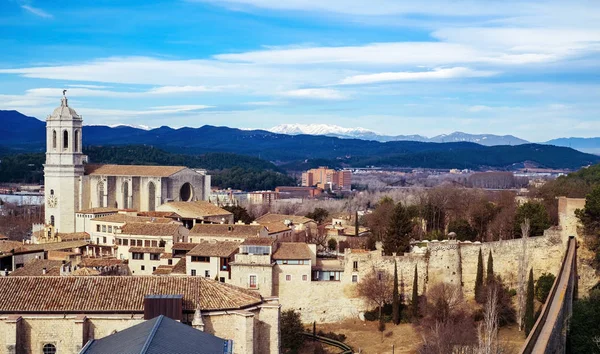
{"points": [[356, 224], [395, 297], [490, 268], [397, 236], [529, 315], [415, 295], [479, 293]]}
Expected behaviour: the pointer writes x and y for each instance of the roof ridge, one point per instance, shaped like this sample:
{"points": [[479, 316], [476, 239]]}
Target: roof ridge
{"points": [[152, 334]]}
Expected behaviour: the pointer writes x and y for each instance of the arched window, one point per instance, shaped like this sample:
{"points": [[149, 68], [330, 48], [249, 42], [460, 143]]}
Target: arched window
{"points": [[101, 194], [52, 220], [49, 349], [65, 139], [76, 141], [151, 196], [186, 192], [125, 195], [54, 139], [52, 192]]}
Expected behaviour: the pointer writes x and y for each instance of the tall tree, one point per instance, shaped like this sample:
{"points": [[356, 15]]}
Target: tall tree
{"points": [[397, 237], [538, 217], [590, 219], [479, 289], [376, 288], [291, 329], [378, 220], [395, 297], [490, 268], [415, 295], [356, 228], [529, 309]]}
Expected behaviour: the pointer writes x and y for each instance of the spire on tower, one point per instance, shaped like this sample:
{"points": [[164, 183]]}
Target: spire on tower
{"points": [[63, 100]]}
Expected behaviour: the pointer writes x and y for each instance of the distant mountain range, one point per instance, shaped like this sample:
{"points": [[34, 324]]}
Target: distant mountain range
{"points": [[366, 134], [19, 133]]}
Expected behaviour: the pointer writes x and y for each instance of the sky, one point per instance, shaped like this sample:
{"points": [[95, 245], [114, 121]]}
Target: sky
{"points": [[526, 68]]}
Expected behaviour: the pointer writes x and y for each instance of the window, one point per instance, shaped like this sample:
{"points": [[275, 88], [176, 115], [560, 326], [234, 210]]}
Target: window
{"points": [[76, 141], [304, 277], [65, 139], [154, 256], [52, 220], [222, 279], [137, 255], [103, 228], [207, 273], [143, 267], [200, 259], [193, 272], [109, 228], [49, 349], [170, 262], [355, 265], [104, 239], [97, 228], [153, 269], [354, 278], [249, 249], [52, 192], [139, 243], [288, 277], [125, 242], [154, 243], [252, 282], [151, 196], [54, 139], [146, 243]]}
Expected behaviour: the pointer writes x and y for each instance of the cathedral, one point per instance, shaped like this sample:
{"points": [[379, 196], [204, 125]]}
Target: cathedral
{"points": [[72, 184]]}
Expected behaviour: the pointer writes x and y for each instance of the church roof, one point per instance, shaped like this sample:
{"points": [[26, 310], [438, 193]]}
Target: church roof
{"points": [[64, 112], [116, 294], [132, 170]]}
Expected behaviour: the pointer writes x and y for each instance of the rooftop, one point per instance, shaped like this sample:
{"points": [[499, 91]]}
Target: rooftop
{"points": [[55, 246], [98, 211], [214, 249], [194, 210], [150, 229], [124, 218], [36, 267], [183, 246], [280, 218], [116, 294], [225, 230], [259, 241], [180, 267], [163, 270], [132, 170], [146, 250], [292, 250], [73, 236], [100, 262]]}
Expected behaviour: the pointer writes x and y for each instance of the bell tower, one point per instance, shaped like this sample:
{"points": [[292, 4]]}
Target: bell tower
{"points": [[63, 170]]}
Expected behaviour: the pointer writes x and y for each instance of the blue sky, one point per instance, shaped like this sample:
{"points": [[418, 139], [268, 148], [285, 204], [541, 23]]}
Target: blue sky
{"points": [[527, 68]]}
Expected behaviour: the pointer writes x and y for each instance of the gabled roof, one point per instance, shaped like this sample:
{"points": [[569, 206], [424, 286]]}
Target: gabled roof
{"points": [[157, 336], [98, 211], [214, 249], [116, 294], [150, 229], [259, 241], [100, 262], [180, 267], [194, 210], [280, 218], [226, 230], [155, 250], [36, 267], [163, 270], [183, 246], [73, 236], [292, 250], [7, 246], [132, 170], [275, 227], [55, 246]]}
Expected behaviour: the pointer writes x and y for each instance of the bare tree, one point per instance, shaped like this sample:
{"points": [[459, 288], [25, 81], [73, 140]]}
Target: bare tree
{"points": [[377, 288], [522, 274], [487, 331]]}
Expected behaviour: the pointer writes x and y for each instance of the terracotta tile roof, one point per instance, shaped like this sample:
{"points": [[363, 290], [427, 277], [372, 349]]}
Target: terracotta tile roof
{"points": [[132, 170], [146, 250], [280, 218], [35, 268], [215, 249], [276, 227], [151, 229], [183, 246], [194, 210], [159, 214], [100, 262], [56, 246], [163, 270], [292, 250], [180, 267], [124, 218], [7, 246], [259, 241], [226, 230], [83, 272], [116, 294], [3, 237], [73, 236], [166, 256], [98, 211]]}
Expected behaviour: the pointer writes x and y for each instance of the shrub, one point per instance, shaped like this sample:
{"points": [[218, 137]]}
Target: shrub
{"points": [[290, 329], [332, 335], [543, 286]]}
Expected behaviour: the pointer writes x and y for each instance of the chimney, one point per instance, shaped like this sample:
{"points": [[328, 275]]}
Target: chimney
{"points": [[43, 270]]}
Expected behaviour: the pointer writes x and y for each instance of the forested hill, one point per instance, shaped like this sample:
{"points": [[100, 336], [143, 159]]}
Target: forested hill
{"points": [[228, 170], [27, 134]]}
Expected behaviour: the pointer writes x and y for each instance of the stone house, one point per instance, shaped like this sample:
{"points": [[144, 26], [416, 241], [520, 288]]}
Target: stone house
{"points": [[212, 260], [147, 235], [192, 213], [144, 260], [253, 267]]}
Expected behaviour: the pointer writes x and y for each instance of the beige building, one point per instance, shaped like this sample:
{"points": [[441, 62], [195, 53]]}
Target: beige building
{"points": [[197, 213], [72, 185], [223, 232], [148, 235], [212, 260], [144, 260], [64, 313]]}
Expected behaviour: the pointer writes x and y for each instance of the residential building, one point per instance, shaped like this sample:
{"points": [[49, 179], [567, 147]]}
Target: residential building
{"points": [[263, 197], [223, 232], [328, 179], [136, 234], [298, 192], [198, 212], [212, 260], [144, 260]]}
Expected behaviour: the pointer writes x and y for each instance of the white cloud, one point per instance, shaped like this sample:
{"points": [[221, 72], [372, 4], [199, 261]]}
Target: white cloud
{"points": [[89, 86], [479, 108], [179, 89], [315, 93], [436, 74], [36, 11]]}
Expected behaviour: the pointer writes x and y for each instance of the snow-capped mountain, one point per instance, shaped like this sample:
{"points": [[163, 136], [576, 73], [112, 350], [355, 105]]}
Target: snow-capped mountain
{"points": [[366, 134]]}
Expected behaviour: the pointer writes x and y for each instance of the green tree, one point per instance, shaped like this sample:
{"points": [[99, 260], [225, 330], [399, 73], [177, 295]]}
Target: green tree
{"points": [[529, 305], [538, 217], [290, 327], [395, 297], [479, 288], [239, 214], [415, 295], [590, 219], [462, 229], [332, 244], [397, 238], [585, 325], [319, 215], [490, 268], [543, 286]]}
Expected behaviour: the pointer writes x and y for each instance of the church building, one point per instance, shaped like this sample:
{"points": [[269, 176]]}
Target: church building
{"points": [[71, 184]]}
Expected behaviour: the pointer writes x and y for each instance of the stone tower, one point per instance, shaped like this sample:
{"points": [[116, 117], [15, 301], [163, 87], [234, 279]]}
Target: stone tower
{"points": [[63, 171]]}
